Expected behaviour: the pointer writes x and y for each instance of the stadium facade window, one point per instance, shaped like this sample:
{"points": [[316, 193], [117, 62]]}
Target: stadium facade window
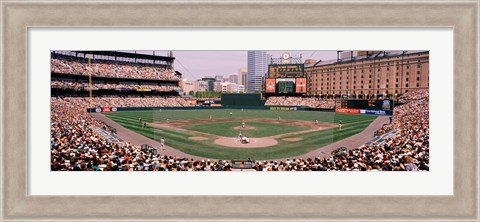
{"points": [[406, 79], [406, 85], [418, 78], [418, 84]]}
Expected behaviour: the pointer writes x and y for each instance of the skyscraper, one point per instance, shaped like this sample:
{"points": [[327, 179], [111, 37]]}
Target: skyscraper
{"points": [[242, 76], [257, 67]]}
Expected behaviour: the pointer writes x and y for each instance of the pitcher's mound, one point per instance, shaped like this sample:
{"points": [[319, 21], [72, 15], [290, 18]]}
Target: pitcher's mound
{"points": [[246, 128], [254, 142], [293, 139], [198, 138]]}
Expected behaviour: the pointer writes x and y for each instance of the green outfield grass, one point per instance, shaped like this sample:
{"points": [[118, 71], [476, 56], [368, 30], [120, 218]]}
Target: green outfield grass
{"points": [[353, 124], [227, 129]]}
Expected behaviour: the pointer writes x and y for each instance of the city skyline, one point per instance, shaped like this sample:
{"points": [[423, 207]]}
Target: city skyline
{"points": [[195, 65]]}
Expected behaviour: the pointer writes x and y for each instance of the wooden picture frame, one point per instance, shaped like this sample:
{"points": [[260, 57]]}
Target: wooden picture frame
{"points": [[18, 16]]}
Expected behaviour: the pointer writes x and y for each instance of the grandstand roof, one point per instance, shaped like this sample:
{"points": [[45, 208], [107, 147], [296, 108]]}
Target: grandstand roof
{"points": [[129, 55], [377, 55]]}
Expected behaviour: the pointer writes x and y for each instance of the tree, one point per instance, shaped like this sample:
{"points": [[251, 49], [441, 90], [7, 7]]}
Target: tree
{"points": [[191, 93]]}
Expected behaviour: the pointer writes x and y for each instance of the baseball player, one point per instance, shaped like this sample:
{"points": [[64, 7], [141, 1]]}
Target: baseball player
{"points": [[243, 123], [316, 122], [162, 144], [231, 114], [340, 125]]}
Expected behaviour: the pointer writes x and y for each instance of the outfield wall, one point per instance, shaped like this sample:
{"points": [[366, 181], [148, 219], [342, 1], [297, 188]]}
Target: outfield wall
{"points": [[242, 99], [285, 108]]}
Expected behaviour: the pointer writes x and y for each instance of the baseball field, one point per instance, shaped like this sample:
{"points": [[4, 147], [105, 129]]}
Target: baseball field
{"points": [[214, 133]]}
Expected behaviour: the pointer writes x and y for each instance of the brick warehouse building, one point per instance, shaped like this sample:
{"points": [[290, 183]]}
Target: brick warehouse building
{"points": [[368, 74]]}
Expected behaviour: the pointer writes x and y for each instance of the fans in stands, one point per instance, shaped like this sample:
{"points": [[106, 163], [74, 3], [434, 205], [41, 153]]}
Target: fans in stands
{"points": [[104, 68], [115, 101], [85, 86], [300, 101]]}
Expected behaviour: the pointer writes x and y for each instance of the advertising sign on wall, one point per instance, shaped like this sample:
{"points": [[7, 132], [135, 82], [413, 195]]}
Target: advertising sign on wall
{"points": [[270, 85], [301, 85], [347, 110]]}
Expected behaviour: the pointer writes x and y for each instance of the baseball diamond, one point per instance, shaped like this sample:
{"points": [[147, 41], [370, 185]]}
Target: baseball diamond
{"points": [[134, 111], [196, 123]]}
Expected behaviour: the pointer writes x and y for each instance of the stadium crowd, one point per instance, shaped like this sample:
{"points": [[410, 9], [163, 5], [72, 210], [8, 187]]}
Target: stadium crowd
{"points": [[300, 101], [75, 146], [414, 95], [79, 86], [116, 101], [104, 68]]}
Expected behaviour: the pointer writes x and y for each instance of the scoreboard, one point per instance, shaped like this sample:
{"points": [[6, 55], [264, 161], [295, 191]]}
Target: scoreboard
{"points": [[286, 85], [286, 76], [367, 104], [286, 71]]}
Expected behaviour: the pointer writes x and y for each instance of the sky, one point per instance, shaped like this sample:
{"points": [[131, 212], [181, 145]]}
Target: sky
{"points": [[195, 65]]}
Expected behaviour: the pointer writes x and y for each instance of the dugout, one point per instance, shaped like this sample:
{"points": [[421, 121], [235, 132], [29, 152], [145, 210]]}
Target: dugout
{"points": [[242, 99]]}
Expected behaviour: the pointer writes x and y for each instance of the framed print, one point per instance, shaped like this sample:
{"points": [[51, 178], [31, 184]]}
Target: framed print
{"points": [[106, 73]]}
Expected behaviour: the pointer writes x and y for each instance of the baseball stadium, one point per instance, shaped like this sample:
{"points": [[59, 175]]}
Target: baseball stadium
{"points": [[124, 111]]}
